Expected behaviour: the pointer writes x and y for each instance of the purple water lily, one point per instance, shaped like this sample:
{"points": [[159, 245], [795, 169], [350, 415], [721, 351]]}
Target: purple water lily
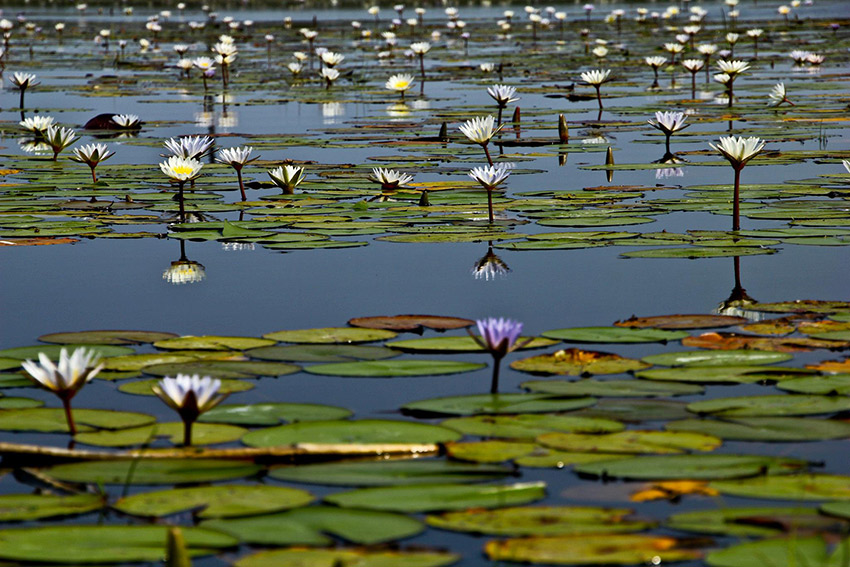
{"points": [[499, 337]]}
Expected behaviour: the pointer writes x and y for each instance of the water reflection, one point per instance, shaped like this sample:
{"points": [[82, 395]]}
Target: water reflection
{"points": [[489, 266], [667, 172], [332, 111], [183, 270], [738, 302]]}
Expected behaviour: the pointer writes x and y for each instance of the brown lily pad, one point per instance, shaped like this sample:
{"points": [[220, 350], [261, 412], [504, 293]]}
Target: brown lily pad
{"points": [[411, 323], [803, 306], [834, 366], [577, 362], [682, 321], [732, 341]]}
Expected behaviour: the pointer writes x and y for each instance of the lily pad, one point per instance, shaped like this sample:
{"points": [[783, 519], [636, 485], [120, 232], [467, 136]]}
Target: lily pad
{"points": [[766, 429], [272, 413], [724, 374], [49, 420], [458, 344], [411, 323], [52, 351], [529, 426], [224, 369], [389, 473], [631, 441], [614, 335], [332, 335], [177, 471], [202, 434], [750, 522], [540, 521], [322, 353], [221, 501], [835, 384], [437, 497], [698, 321], [789, 487], [20, 507], [346, 558], [717, 358], [611, 388], [143, 387], [212, 343], [343, 431], [308, 526], [793, 550], [577, 362], [586, 549], [393, 368], [690, 467], [497, 403], [106, 337], [770, 405]]}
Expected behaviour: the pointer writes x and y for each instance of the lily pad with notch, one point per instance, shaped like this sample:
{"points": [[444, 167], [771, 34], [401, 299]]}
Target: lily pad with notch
{"points": [[411, 323], [152, 472], [344, 431]]}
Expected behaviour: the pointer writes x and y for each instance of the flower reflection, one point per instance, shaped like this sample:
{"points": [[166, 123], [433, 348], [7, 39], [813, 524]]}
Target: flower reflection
{"points": [[666, 172], [331, 111], [398, 110], [34, 147], [489, 266], [184, 271], [237, 246]]}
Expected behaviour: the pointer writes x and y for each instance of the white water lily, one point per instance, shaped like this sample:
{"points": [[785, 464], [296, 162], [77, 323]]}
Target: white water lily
{"points": [[236, 157], [332, 59], [846, 164], [23, 80], [491, 176], [36, 124], [287, 177], [59, 138], [693, 65], [126, 120], [656, 61], [778, 95], [480, 130], [669, 122], [739, 150], [707, 49], [295, 68], [181, 169], [420, 47], [190, 146], [502, 94], [183, 272], [399, 83], [732, 68], [389, 178], [329, 75], [91, 155], [190, 396], [596, 77]]}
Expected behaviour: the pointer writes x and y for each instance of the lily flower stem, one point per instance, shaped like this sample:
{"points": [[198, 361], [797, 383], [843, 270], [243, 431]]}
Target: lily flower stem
{"points": [[693, 85], [499, 118], [180, 199], [187, 433], [241, 185], [93, 175], [69, 417], [494, 384], [731, 83], [490, 211], [667, 144], [22, 99], [487, 153], [598, 96], [422, 66], [736, 204]]}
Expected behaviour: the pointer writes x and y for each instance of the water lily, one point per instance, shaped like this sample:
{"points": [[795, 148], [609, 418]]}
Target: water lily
{"points": [[66, 378], [491, 177], [390, 179], [329, 75], [332, 59], [126, 121], [669, 122], [596, 79], [91, 155], [189, 396], [189, 147], [287, 177], [180, 170], [37, 124], [481, 131], [503, 95], [59, 138], [729, 72], [656, 62], [399, 83], [420, 48], [23, 81], [846, 164], [237, 158], [693, 66], [738, 151], [499, 338], [778, 95]]}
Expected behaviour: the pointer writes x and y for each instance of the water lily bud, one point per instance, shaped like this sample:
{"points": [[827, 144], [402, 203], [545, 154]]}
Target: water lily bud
{"points": [[563, 129]]}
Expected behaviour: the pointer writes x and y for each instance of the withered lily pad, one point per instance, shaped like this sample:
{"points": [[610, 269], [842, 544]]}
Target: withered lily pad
{"points": [[539, 520], [411, 323], [577, 362], [222, 501], [682, 321], [586, 549], [106, 337], [437, 497], [732, 341], [342, 431], [333, 335]]}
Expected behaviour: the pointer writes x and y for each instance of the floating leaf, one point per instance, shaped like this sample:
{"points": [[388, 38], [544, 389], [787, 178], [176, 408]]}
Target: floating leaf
{"points": [[308, 526], [789, 487], [458, 344], [577, 362], [497, 403], [393, 368], [636, 410], [770, 405], [381, 473], [224, 369], [411, 323], [631, 441], [177, 471], [690, 467], [751, 522], [586, 549], [52, 351], [342, 431], [539, 520], [346, 558], [724, 374], [340, 335], [437, 497], [322, 353], [529, 426], [794, 550], [106, 337], [682, 321], [768, 429], [49, 420], [614, 335], [221, 501], [489, 451], [611, 388], [202, 434], [672, 490], [731, 341], [272, 413], [835, 366], [802, 306], [212, 343], [717, 358], [20, 507]]}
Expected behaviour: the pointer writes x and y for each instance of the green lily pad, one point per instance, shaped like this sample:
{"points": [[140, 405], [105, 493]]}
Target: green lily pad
{"points": [[411, 323], [393, 368], [835, 384], [106, 337], [491, 451], [458, 344], [694, 253], [794, 550], [176, 471], [202, 434], [221, 501], [586, 549], [840, 509], [143, 387], [497, 403], [577, 362], [52, 351], [308, 526], [7, 403], [724, 374], [690, 467], [224, 369], [539, 520], [272, 413], [770, 405], [529, 426], [717, 358], [9, 363], [49, 420], [438, 497], [20, 507], [788, 487], [346, 558], [614, 335], [750, 522], [611, 388], [135, 362], [103, 544], [389, 473], [631, 441], [343, 431], [9, 380], [331, 335], [322, 353], [768, 429], [212, 343]]}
